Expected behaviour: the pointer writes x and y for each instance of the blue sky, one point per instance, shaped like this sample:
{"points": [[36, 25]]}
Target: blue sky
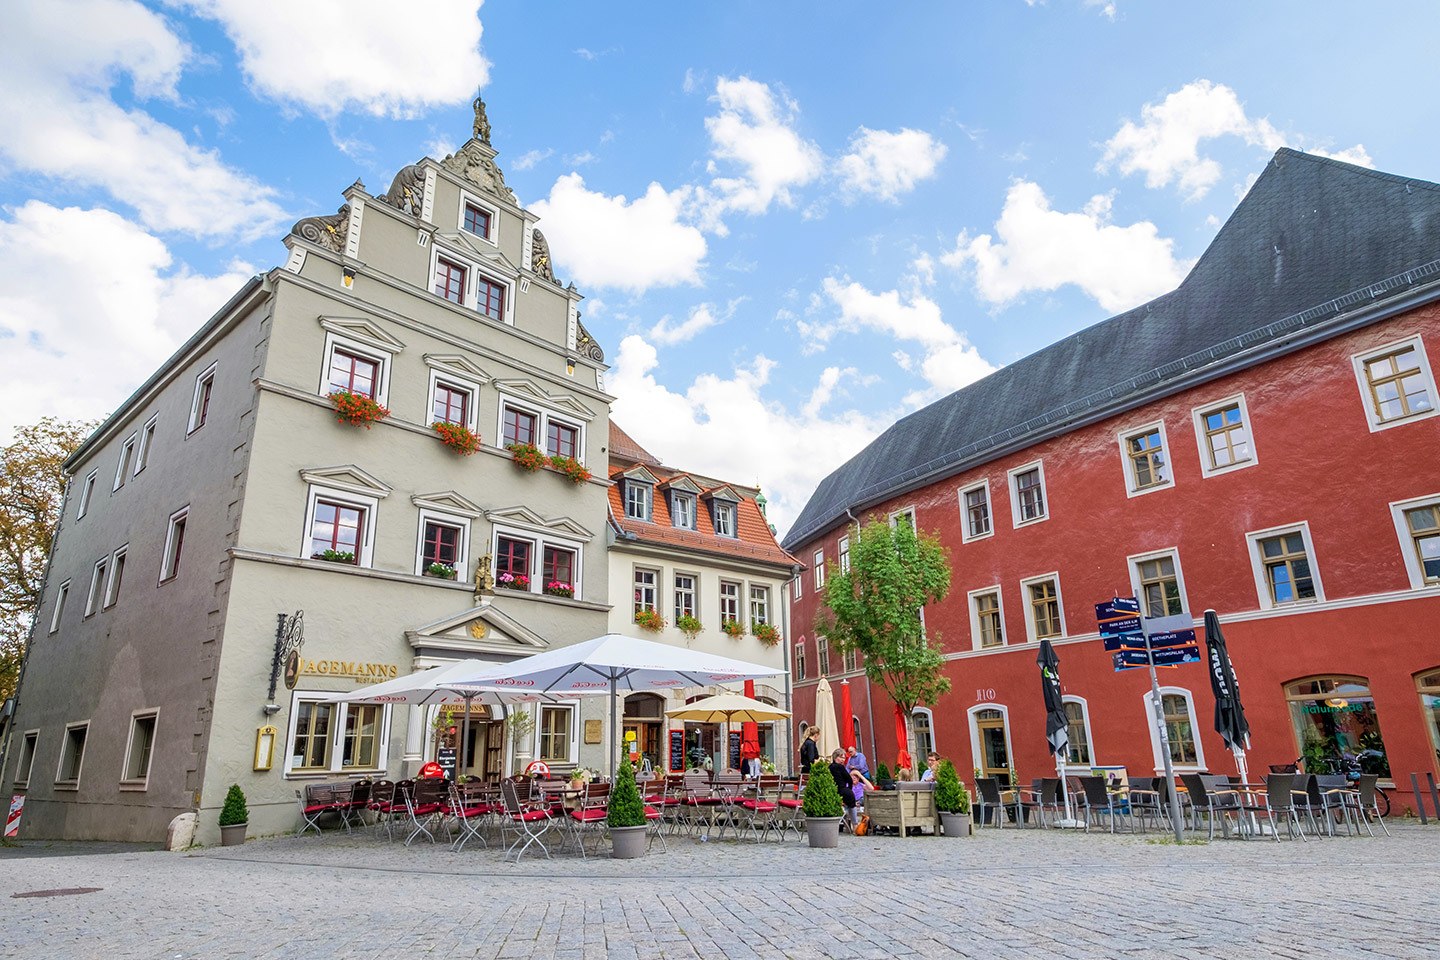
{"points": [[793, 223]]}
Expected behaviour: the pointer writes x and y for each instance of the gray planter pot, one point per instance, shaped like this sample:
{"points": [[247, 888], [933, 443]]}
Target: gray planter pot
{"points": [[627, 843], [233, 835], [956, 824], [823, 831]]}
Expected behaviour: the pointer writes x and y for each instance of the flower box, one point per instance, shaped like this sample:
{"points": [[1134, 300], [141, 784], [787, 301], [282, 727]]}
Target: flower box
{"points": [[765, 633], [527, 456], [356, 409], [650, 620], [690, 626], [732, 628], [513, 581], [457, 437], [571, 468], [559, 588], [335, 556], [440, 571]]}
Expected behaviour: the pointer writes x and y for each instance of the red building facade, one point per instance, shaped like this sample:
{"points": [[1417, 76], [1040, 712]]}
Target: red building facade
{"points": [[1286, 475]]}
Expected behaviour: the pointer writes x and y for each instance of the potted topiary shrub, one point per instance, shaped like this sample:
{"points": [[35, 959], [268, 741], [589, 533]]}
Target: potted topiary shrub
{"points": [[883, 780], [626, 815], [234, 817], [952, 800], [822, 806]]}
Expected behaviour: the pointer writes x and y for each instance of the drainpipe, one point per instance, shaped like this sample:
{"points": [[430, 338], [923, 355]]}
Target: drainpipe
{"points": [[869, 694], [789, 659]]}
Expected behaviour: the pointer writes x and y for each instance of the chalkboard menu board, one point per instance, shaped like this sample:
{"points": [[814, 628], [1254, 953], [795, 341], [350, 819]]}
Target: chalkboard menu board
{"points": [[734, 750], [445, 756], [677, 751]]}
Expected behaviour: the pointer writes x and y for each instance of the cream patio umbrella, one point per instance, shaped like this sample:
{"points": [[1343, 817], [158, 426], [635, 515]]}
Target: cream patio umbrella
{"points": [[825, 719], [728, 708]]}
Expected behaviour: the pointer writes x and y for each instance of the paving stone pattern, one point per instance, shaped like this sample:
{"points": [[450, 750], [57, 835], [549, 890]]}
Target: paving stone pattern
{"points": [[1002, 894]]}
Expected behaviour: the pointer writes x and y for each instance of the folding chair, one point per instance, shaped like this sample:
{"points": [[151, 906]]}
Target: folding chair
{"points": [[590, 815], [763, 806], [1366, 804], [529, 819], [426, 807], [354, 811], [469, 808], [791, 807], [315, 800], [989, 799], [1278, 799], [387, 800]]}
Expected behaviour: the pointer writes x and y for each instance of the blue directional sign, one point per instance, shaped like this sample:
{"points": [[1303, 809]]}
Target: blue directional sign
{"points": [[1172, 638], [1119, 622], [1168, 657]]}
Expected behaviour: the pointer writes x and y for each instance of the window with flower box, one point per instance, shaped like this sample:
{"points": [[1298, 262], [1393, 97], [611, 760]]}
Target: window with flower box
{"points": [[512, 563], [729, 600], [340, 522], [451, 405], [535, 559], [559, 566], [355, 367], [645, 592], [684, 595], [562, 440], [518, 425], [440, 544], [759, 604]]}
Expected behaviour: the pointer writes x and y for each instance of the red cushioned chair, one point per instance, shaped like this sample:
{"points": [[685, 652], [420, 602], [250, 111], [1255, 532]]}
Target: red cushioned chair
{"points": [[590, 814], [529, 819], [470, 810], [316, 800]]}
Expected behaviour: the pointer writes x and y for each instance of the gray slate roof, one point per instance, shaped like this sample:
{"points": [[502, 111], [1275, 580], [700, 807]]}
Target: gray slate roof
{"points": [[1312, 239]]}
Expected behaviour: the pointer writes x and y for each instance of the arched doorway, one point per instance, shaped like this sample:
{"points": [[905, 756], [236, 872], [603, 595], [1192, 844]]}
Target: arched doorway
{"points": [[992, 743], [485, 748]]}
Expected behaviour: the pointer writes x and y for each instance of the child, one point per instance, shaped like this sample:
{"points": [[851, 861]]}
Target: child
{"points": [[859, 784]]}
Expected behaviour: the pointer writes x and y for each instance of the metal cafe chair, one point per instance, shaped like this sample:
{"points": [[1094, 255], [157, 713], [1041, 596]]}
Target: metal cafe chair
{"points": [[1365, 802], [425, 805], [762, 806], [529, 819], [1098, 799], [989, 800], [315, 800], [1277, 800], [590, 814], [1211, 801], [470, 809], [791, 808]]}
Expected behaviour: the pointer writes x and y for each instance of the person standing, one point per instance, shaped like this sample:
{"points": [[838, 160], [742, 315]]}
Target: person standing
{"points": [[810, 750], [856, 761], [844, 784]]}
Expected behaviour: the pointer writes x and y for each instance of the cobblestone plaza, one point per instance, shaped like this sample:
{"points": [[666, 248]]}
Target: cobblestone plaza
{"points": [[1002, 894]]}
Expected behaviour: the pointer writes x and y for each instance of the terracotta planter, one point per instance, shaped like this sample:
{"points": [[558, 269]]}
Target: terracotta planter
{"points": [[823, 832], [956, 824], [233, 835], [627, 843]]}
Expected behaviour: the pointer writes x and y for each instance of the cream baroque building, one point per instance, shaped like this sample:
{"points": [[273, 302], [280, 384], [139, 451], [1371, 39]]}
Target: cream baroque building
{"points": [[223, 498]]}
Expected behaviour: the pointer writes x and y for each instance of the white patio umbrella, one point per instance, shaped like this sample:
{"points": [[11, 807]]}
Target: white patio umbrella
{"points": [[728, 708], [825, 719], [613, 662]]}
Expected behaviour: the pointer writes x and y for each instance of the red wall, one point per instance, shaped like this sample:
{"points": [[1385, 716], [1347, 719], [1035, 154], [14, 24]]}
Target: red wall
{"points": [[1318, 461]]}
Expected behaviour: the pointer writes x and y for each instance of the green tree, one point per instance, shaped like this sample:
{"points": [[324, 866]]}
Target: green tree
{"points": [[625, 808], [822, 797], [874, 609], [32, 486]]}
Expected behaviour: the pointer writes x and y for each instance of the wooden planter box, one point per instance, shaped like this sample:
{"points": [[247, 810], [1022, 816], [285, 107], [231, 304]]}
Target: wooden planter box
{"points": [[910, 804]]}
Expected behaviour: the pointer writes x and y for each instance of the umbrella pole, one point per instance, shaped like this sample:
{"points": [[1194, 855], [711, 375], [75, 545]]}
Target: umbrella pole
{"points": [[464, 741], [614, 732]]}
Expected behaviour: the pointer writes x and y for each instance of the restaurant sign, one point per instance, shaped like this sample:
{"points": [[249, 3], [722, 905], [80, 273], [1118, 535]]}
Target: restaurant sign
{"points": [[349, 669]]}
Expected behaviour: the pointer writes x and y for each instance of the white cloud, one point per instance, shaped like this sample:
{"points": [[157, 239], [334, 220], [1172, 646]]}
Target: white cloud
{"points": [[607, 241], [1357, 155], [1105, 7], [725, 427], [1165, 145], [529, 158], [329, 56], [1039, 248], [58, 61], [668, 333], [887, 164], [76, 350]]}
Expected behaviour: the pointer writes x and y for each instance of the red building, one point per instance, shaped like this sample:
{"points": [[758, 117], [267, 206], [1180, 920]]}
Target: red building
{"points": [[1261, 441]]}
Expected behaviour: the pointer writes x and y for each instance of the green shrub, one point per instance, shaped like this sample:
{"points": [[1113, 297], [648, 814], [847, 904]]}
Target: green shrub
{"points": [[950, 795], [625, 808], [882, 773], [234, 811], [821, 798]]}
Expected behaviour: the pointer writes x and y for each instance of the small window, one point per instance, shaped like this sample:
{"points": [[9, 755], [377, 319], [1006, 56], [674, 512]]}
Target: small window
{"points": [[477, 220], [61, 596], [988, 619], [147, 441], [360, 741], [843, 550], [127, 460], [724, 518], [1159, 587], [682, 511], [796, 587], [336, 532], [25, 763], [729, 601], [637, 500], [561, 439], [906, 516], [440, 544], [512, 563], [1417, 522], [451, 404], [851, 660], [645, 592], [1027, 494], [800, 659], [559, 565], [174, 545], [1147, 459], [1077, 725], [1396, 384], [97, 585], [759, 605], [822, 656], [490, 298], [72, 755], [684, 595], [554, 729], [975, 507], [818, 565], [1284, 562], [1225, 437], [117, 574], [449, 280], [1043, 612], [351, 372], [139, 750], [310, 748], [87, 490], [1180, 729], [518, 426], [200, 403]]}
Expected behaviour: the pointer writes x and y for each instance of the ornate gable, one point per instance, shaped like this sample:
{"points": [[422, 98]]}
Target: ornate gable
{"points": [[639, 473], [682, 483], [723, 493], [561, 401], [349, 478], [364, 331], [448, 501], [520, 516], [456, 366], [482, 629], [478, 250]]}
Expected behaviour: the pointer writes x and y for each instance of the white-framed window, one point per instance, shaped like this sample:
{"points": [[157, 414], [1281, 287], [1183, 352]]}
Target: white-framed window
{"points": [[1187, 753], [539, 556], [61, 595], [200, 402], [466, 283], [682, 510], [904, 515], [339, 526], [443, 539], [1396, 384], [800, 659], [87, 490], [174, 544], [135, 774], [72, 756], [1158, 583], [924, 721], [127, 461], [117, 574], [686, 594], [1077, 725], [647, 594], [822, 656], [975, 520], [1417, 524], [796, 587], [987, 618], [1028, 503], [729, 601], [562, 439], [850, 660], [1145, 453], [147, 441], [724, 518], [759, 604], [843, 554], [355, 367], [97, 585], [25, 762], [453, 400], [1283, 561], [478, 218], [1044, 607], [637, 500], [552, 433], [818, 565], [335, 738], [1225, 436], [555, 733]]}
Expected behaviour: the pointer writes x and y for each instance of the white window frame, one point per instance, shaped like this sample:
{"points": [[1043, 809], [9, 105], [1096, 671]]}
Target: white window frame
{"points": [[25, 737], [87, 491], [822, 657], [337, 738], [739, 599], [725, 509], [97, 586], [61, 595], [371, 506], [112, 584], [842, 554], [466, 197], [147, 438], [473, 271], [764, 590], [1133, 565], [139, 783], [383, 359], [1257, 564], [819, 567], [472, 413], [802, 665], [934, 732], [694, 592], [1148, 699], [1372, 416], [573, 752], [127, 460], [1085, 722], [797, 587], [64, 750], [563, 421], [168, 560], [965, 535], [543, 415], [1413, 569], [1122, 437], [1030, 631], [648, 495], [676, 499], [539, 540], [656, 575], [976, 755], [1010, 476], [974, 608], [206, 376], [1207, 469], [909, 511], [462, 545]]}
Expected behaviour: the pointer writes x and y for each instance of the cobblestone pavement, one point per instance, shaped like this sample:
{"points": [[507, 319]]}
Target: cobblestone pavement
{"points": [[1001, 894]]}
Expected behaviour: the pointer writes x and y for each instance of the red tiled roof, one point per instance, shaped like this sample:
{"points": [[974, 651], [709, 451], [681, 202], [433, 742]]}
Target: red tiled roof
{"points": [[624, 447]]}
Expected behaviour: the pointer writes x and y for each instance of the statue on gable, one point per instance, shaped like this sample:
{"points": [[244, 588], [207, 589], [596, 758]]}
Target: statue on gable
{"points": [[482, 122]]}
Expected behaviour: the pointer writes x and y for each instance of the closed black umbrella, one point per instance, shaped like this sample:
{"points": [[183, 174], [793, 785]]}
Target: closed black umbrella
{"points": [[1230, 720], [1057, 724]]}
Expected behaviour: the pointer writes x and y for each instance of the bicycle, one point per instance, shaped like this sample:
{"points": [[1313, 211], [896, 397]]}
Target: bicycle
{"points": [[1351, 766]]}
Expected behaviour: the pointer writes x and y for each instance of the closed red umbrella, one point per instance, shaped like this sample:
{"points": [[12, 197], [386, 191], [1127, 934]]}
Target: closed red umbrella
{"points": [[901, 737], [847, 726], [749, 731]]}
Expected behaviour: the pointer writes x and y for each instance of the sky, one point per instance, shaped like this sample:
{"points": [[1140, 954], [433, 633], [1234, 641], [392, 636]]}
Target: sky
{"points": [[792, 223]]}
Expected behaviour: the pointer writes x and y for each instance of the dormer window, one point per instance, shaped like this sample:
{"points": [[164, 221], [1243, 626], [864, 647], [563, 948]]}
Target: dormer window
{"points": [[682, 510], [724, 518], [637, 500]]}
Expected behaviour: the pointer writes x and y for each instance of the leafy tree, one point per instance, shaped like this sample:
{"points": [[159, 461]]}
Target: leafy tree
{"points": [[32, 485], [874, 609], [822, 798]]}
